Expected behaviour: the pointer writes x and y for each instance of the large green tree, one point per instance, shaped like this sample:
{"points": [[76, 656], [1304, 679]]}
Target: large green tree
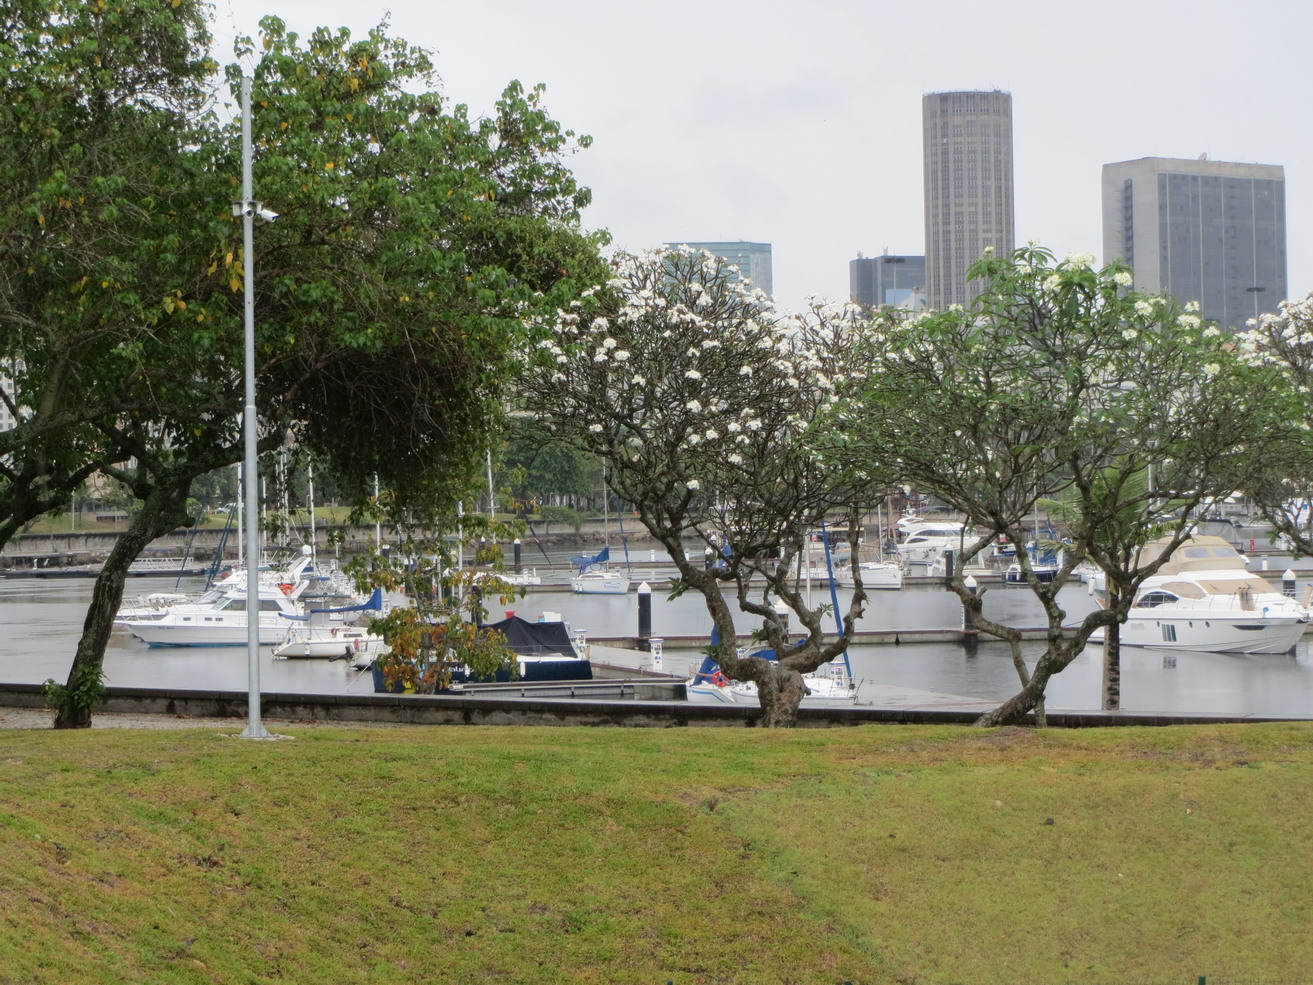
{"points": [[412, 247], [1057, 383]]}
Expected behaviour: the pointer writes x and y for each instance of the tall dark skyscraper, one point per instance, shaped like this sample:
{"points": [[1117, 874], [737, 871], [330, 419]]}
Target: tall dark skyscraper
{"points": [[1201, 230], [968, 187]]}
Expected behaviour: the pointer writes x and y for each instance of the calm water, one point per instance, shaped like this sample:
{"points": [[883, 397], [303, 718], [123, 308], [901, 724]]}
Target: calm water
{"points": [[40, 621]]}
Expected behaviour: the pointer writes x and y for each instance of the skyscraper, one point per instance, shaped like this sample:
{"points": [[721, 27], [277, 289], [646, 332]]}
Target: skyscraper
{"points": [[968, 187], [891, 280], [752, 259], [1206, 231]]}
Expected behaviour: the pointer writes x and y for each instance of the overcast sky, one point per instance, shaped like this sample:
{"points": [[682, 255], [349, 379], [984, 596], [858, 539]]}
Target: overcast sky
{"points": [[798, 122]]}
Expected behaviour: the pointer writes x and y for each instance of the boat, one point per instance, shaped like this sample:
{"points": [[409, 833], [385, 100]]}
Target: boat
{"points": [[1203, 599], [926, 541], [322, 633], [830, 688], [1045, 563], [881, 575], [217, 619], [545, 651], [596, 577]]}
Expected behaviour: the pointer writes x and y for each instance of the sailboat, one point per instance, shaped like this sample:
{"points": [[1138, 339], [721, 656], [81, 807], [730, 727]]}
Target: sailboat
{"points": [[595, 577]]}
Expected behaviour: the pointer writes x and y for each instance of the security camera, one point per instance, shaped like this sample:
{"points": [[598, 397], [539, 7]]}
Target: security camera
{"points": [[254, 210]]}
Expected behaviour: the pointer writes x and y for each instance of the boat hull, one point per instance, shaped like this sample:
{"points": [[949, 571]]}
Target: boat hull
{"points": [[589, 584], [1245, 633]]}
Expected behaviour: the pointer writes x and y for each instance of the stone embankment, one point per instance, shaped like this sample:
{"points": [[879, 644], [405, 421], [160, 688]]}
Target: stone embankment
{"points": [[91, 546]]}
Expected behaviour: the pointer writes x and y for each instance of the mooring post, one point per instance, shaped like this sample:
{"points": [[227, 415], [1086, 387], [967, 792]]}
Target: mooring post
{"points": [[645, 612], [517, 555], [970, 635]]}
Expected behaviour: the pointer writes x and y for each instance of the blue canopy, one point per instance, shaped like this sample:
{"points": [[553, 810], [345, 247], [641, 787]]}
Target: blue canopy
{"points": [[585, 561]]}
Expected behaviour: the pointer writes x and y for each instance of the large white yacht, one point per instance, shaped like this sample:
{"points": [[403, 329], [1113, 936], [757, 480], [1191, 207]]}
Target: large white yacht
{"points": [[1204, 599]]}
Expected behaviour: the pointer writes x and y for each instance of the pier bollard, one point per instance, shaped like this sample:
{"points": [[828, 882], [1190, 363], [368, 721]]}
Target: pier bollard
{"points": [[970, 635], [1288, 583], [645, 611], [654, 643], [948, 568], [517, 555]]}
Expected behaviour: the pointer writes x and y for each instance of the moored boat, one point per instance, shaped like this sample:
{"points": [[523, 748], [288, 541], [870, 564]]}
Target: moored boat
{"points": [[1204, 599]]}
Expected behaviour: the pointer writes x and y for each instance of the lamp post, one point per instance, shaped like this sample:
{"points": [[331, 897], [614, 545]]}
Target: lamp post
{"points": [[1255, 291], [248, 209]]}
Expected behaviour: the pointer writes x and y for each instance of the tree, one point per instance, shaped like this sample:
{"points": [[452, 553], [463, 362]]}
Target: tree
{"points": [[698, 394], [412, 245], [1058, 384], [1282, 344]]}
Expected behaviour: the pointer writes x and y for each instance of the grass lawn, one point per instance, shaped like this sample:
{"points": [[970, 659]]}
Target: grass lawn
{"points": [[871, 854]]}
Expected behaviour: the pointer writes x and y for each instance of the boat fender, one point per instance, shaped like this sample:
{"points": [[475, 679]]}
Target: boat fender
{"points": [[286, 588]]}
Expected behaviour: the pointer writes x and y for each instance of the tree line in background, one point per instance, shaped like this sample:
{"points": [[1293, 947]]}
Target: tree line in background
{"points": [[429, 305]]}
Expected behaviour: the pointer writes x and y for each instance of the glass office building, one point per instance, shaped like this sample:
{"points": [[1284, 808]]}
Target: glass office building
{"points": [[1201, 230]]}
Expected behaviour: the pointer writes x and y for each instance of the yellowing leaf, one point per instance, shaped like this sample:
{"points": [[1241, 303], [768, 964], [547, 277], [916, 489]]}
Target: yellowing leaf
{"points": [[328, 165]]}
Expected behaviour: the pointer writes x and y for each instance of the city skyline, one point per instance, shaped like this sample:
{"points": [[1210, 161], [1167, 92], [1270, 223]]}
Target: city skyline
{"points": [[801, 127]]}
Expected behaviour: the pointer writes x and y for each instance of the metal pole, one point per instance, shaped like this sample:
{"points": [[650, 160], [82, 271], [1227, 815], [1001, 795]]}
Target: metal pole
{"points": [[254, 727]]}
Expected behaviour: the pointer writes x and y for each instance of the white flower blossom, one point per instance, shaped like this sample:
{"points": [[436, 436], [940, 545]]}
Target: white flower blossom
{"points": [[1143, 307], [620, 356], [712, 434], [693, 484], [1211, 330], [1052, 282], [692, 374], [735, 458], [638, 380], [595, 428], [745, 371], [1192, 306], [1123, 278], [695, 406], [608, 342], [1212, 369], [1188, 321], [1130, 334]]}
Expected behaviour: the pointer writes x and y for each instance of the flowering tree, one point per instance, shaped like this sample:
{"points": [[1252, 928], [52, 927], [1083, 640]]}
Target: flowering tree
{"points": [[1057, 383], [1283, 345], [699, 396]]}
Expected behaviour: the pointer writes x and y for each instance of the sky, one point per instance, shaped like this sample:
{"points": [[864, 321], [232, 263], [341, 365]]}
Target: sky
{"points": [[798, 122]]}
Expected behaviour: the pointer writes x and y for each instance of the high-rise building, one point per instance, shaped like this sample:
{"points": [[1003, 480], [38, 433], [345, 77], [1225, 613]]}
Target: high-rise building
{"points": [[885, 280], [752, 259], [1206, 231], [968, 187]]}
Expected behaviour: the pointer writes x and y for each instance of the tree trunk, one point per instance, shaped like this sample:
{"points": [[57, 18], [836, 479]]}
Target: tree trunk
{"points": [[780, 696], [161, 512], [1016, 708], [1112, 659]]}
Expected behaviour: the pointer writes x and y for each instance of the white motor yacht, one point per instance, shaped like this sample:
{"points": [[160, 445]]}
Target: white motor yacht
{"points": [[1204, 599], [217, 619]]}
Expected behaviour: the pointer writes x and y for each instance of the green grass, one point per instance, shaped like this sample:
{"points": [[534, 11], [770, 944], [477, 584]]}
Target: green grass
{"points": [[872, 854]]}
